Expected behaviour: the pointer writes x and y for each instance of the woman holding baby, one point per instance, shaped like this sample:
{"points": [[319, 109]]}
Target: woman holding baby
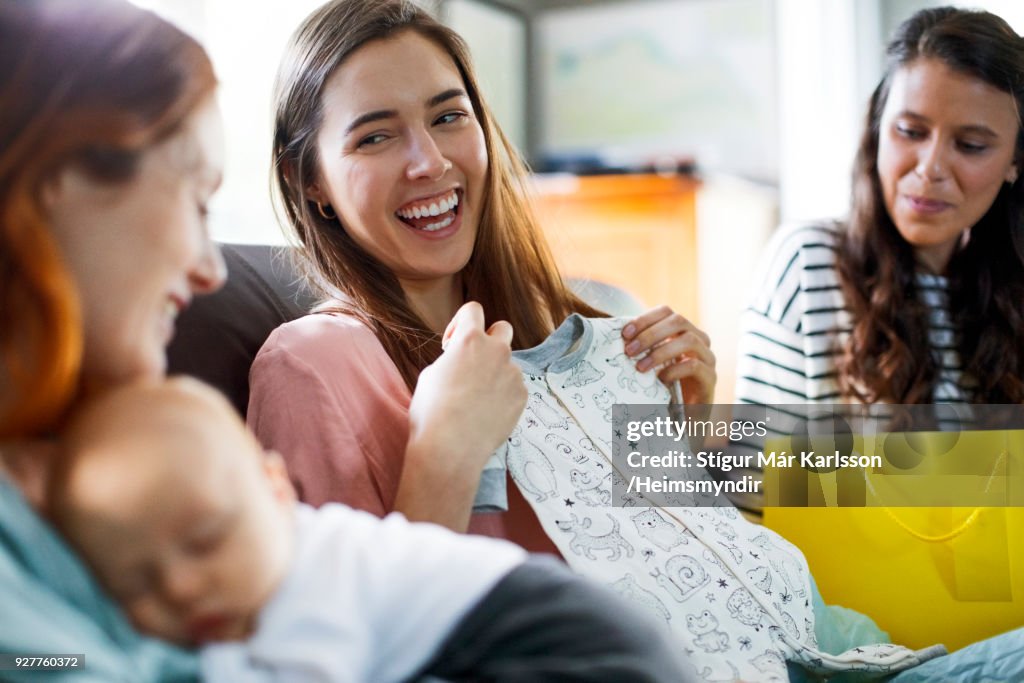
{"points": [[110, 153], [110, 149]]}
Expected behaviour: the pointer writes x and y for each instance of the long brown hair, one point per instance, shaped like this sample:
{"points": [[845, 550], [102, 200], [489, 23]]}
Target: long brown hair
{"points": [[87, 83], [888, 356], [511, 272]]}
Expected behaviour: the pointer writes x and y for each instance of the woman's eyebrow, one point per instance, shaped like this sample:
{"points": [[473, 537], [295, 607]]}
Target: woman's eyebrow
{"points": [[381, 114], [975, 128], [369, 117], [979, 129], [449, 94], [908, 114]]}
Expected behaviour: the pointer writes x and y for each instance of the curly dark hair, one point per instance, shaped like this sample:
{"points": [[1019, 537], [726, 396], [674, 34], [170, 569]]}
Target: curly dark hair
{"points": [[888, 356]]}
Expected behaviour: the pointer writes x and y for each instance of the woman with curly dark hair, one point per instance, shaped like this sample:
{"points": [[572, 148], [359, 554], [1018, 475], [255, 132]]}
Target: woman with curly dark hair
{"points": [[919, 297]]}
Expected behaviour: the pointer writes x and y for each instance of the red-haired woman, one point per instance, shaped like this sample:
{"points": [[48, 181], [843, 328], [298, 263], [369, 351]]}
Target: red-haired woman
{"points": [[109, 150]]}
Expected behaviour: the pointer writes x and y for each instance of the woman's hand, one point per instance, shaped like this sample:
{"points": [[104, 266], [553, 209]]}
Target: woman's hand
{"points": [[465, 405], [472, 396], [663, 339]]}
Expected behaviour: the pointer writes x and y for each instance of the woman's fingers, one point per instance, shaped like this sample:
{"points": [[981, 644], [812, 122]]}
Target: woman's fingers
{"points": [[502, 331], [654, 327], [468, 318], [696, 379], [687, 345], [645, 320], [664, 339]]}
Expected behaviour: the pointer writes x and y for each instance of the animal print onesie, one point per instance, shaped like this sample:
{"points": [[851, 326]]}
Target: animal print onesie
{"points": [[736, 595]]}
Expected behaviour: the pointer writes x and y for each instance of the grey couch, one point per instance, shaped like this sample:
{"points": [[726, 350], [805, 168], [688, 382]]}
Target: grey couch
{"points": [[217, 337]]}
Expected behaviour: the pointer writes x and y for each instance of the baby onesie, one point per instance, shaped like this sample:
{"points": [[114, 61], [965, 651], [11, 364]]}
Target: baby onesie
{"points": [[736, 595]]}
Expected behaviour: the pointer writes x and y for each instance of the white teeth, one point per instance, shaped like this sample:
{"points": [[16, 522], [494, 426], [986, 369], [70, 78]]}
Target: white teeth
{"points": [[170, 309], [436, 208], [433, 227]]}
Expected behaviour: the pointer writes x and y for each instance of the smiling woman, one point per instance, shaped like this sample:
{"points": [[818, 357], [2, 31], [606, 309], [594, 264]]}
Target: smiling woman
{"points": [[109, 150], [93, 268], [946, 145], [128, 314], [410, 209], [405, 166], [918, 297]]}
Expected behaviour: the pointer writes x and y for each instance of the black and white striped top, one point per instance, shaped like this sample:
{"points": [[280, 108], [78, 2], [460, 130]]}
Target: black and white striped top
{"points": [[793, 331], [797, 321]]}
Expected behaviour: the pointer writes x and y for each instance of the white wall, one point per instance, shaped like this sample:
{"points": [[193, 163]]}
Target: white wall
{"points": [[829, 58], [735, 217], [497, 40], [820, 106], [245, 47]]}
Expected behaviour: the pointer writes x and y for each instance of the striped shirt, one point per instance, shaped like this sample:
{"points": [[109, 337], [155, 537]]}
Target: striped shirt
{"points": [[793, 331]]}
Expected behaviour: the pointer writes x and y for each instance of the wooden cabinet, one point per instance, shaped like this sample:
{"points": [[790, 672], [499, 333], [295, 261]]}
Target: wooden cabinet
{"points": [[637, 232]]}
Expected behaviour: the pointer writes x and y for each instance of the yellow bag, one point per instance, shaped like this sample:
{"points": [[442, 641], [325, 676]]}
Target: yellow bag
{"points": [[951, 575]]}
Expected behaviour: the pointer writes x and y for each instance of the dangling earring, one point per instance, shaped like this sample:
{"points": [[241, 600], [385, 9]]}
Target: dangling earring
{"points": [[320, 208]]}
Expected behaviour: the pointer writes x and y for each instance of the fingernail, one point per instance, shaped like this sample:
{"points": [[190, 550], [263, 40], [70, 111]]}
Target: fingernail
{"points": [[628, 331], [643, 365], [632, 347]]}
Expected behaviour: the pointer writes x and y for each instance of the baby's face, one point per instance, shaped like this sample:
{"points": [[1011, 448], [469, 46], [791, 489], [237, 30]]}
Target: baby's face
{"points": [[191, 541]]}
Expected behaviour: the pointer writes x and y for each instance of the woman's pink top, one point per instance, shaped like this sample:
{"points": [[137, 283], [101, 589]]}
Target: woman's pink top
{"points": [[326, 396]]}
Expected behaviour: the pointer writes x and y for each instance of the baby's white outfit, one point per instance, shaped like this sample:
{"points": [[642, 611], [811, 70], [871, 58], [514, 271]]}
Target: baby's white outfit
{"points": [[365, 600]]}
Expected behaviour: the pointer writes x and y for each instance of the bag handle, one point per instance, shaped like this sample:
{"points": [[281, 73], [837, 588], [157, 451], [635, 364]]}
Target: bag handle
{"points": [[940, 538]]}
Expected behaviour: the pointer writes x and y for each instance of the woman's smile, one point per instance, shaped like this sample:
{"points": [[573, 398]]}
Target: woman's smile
{"points": [[434, 217], [926, 206], [404, 161]]}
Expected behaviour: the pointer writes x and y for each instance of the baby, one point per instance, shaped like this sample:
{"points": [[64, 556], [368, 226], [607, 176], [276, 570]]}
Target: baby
{"points": [[195, 531]]}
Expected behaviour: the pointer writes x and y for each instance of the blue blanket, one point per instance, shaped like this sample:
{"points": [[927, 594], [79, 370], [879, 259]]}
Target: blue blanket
{"points": [[999, 659]]}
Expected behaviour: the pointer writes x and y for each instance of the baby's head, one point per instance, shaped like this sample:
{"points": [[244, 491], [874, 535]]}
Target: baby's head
{"points": [[183, 517]]}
